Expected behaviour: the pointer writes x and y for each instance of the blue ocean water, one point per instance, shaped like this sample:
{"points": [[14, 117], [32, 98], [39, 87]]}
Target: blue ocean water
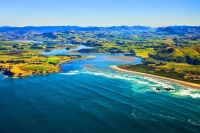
{"points": [[88, 96]]}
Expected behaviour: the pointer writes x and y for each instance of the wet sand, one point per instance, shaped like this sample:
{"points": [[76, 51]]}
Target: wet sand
{"points": [[187, 84], [123, 58]]}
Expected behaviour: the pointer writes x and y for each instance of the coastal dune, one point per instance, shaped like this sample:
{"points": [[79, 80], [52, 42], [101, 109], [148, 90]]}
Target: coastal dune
{"points": [[187, 84]]}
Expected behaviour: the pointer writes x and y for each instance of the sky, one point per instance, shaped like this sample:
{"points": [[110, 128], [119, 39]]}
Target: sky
{"points": [[152, 13]]}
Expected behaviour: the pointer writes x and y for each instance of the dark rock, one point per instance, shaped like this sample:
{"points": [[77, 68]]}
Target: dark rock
{"points": [[67, 48], [8, 73], [158, 89], [169, 89]]}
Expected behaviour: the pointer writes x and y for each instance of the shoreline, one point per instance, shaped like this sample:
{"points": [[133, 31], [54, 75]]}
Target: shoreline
{"points": [[184, 83], [30, 72]]}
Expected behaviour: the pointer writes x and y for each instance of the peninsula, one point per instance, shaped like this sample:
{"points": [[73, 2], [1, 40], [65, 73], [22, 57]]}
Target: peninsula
{"points": [[19, 59]]}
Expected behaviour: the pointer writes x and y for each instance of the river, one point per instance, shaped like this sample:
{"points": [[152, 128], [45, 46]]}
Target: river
{"points": [[88, 96]]}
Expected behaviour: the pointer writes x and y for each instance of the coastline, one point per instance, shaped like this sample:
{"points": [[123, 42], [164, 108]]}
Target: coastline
{"points": [[187, 84], [25, 73]]}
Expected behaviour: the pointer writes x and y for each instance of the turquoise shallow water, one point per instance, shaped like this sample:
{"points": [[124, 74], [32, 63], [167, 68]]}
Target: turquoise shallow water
{"points": [[87, 96]]}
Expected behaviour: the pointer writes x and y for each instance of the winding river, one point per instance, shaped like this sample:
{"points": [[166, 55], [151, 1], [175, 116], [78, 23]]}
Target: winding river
{"points": [[88, 96]]}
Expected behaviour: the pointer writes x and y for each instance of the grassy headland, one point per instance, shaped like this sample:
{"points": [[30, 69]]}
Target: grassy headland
{"points": [[19, 60]]}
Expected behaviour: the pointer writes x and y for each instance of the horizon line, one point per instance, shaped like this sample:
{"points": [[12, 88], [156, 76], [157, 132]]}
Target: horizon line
{"points": [[95, 26]]}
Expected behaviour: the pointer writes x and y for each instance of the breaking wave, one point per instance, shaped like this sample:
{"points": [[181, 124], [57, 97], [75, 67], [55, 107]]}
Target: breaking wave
{"points": [[150, 83], [188, 92]]}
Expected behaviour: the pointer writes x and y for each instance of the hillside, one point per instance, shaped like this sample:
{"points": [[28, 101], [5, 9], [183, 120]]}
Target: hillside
{"points": [[188, 55]]}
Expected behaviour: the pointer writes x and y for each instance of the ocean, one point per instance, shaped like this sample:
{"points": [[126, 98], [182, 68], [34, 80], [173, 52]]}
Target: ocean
{"points": [[88, 96]]}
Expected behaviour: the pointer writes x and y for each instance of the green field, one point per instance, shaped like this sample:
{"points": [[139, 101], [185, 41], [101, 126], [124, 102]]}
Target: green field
{"points": [[20, 60]]}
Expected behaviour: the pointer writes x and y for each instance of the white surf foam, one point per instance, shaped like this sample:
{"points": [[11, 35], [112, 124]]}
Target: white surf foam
{"points": [[153, 83], [160, 83], [72, 73], [189, 92], [185, 121], [116, 76]]}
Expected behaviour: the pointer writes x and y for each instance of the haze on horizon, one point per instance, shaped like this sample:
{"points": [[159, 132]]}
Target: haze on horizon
{"points": [[99, 13]]}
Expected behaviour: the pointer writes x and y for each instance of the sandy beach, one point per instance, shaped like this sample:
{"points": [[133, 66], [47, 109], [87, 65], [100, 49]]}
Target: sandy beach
{"points": [[187, 84]]}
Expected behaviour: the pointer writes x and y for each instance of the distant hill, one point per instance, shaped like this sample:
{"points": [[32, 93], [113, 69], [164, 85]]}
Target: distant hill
{"points": [[139, 28], [178, 30], [40, 28], [167, 30], [69, 28], [48, 35], [65, 32]]}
